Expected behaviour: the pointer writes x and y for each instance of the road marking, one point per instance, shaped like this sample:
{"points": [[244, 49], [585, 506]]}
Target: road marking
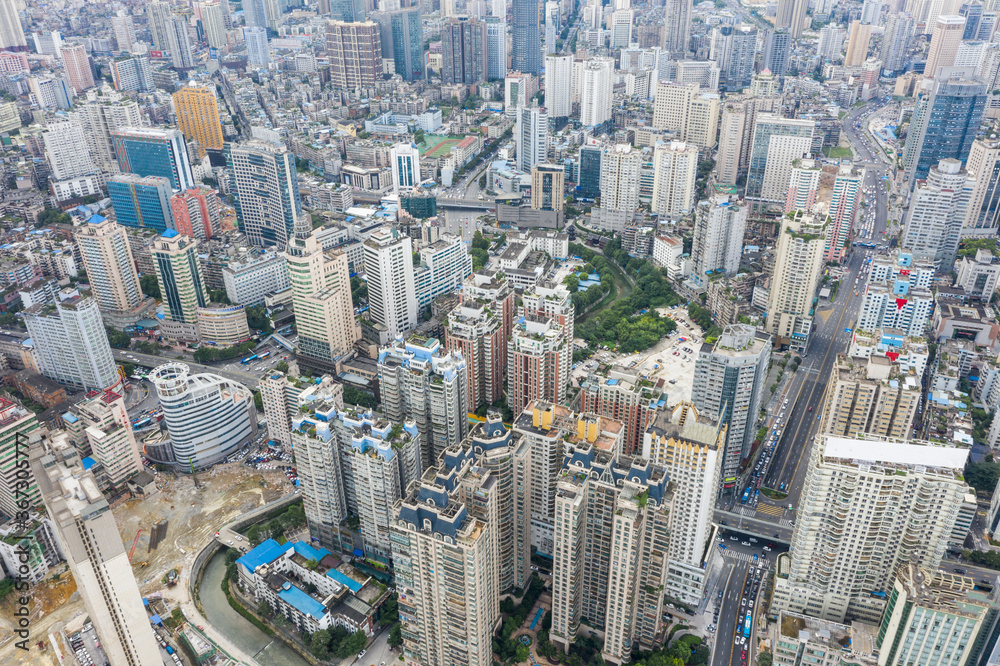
{"points": [[743, 586], [771, 510]]}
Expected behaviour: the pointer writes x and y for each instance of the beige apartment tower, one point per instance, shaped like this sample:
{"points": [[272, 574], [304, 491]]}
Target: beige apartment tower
{"points": [[107, 257], [796, 276], [857, 45], [945, 39], [547, 187], [869, 395]]}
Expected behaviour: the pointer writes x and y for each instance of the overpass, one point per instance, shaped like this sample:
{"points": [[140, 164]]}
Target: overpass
{"points": [[764, 529], [475, 204]]}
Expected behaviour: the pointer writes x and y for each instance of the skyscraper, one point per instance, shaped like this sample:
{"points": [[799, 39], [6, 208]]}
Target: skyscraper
{"points": [[621, 394], [937, 212], [107, 258], [870, 396], [355, 51], [258, 46], [684, 109], [946, 121], [719, 224], [777, 142], [101, 424], [896, 41], [213, 24], [734, 47], [11, 33], [792, 15], [77, 66], [496, 47], [94, 551], [547, 187], [405, 166], [540, 356], [907, 496], [141, 202], [590, 171], [983, 215], [255, 13], [596, 83], [16, 493], [945, 39], [179, 43], [803, 184], [559, 85], [796, 277], [349, 11], [531, 133], [729, 383], [266, 216], [677, 26], [857, 44], [675, 169], [154, 152], [124, 29], [776, 52], [67, 150], [844, 205], [463, 49], [620, 178], [198, 116], [178, 273], [527, 44], [70, 343], [391, 286], [158, 18], [401, 40], [620, 28], [131, 73], [196, 213]]}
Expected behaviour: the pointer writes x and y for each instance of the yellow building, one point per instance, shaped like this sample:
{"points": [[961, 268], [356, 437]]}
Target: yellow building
{"points": [[198, 116]]}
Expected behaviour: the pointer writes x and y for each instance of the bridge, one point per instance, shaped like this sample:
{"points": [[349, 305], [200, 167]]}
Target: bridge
{"points": [[476, 204], [764, 529]]}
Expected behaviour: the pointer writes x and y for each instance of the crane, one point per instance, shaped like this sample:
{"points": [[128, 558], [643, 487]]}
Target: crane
{"points": [[135, 542]]}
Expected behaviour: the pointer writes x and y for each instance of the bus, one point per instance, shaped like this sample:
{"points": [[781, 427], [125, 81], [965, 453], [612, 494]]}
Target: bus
{"points": [[746, 496], [142, 423], [249, 359], [746, 626], [264, 355]]}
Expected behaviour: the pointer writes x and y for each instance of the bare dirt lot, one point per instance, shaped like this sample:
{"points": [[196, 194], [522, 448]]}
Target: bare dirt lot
{"points": [[192, 514]]}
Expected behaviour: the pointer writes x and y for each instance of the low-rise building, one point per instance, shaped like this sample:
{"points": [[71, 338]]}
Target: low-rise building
{"points": [[797, 639]]}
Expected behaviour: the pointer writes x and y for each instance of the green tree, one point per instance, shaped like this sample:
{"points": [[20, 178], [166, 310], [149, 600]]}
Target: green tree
{"points": [[10, 320], [258, 401], [128, 369], [258, 320], [117, 339], [764, 659], [150, 286], [219, 296], [479, 257], [572, 283], [983, 476], [479, 241], [281, 366], [355, 396], [396, 635], [319, 645]]}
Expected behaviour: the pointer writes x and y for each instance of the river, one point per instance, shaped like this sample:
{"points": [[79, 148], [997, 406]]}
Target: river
{"points": [[243, 634]]}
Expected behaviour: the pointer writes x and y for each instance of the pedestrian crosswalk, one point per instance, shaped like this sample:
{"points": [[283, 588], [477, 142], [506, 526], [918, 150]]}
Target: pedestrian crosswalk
{"points": [[738, 556], [785, 522]]}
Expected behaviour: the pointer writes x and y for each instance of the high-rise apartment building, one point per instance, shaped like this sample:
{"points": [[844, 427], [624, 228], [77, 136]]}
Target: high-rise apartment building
{"points": [[796, 277], [898, 295], [355, 51], [869, 506], [405, 160], [870, 396], [402, 41], [590, 159], [803, 185], [391, 284], [937, 212], [463, 51], [739, 115], [258, 46], [132, 73], [777, 52], [248, 282], [620, 27], [101, 426], [178, 273], [549, 299], [945, 122], [213, 24], [266, 215], [94, 550], [982, 217], [559, 85], [496, 47], [141, 202], [548, 187], [896, 42], [719, 224], [107, 258], [596, 82], [675, 169], [67, 151], [844, 205], [154, 152], [157, 17], [619, 393], [831, 43], [734, 47], [70, 343], [77, 65], [101, 114], [527, 43], [792, 15], [684, 109], [857, 44], [620, 166], [531, 132], [730, 378], [179, 43], [777, 142], [540, 356], [16, 425], [947, 35], [198, 116], [11, 32], [676, 35], [196, 213], [444, 265]]}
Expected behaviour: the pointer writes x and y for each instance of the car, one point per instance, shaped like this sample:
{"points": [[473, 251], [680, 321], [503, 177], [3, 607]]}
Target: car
{"points": [[364, 652], [743, 655], [766, 549], [959, 571], [731, 538], [745, 543], [810, 408]]}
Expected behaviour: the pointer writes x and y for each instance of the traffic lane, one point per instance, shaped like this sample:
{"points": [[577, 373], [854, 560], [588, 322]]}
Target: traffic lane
{"points": [[725, 643], [148, 360]]}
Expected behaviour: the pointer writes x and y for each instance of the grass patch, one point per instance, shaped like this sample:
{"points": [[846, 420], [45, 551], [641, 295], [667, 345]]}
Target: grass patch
{"points": [[838, 152], [773, 494]]}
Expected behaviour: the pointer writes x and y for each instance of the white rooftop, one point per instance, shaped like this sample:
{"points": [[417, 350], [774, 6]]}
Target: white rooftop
{"points": [[896, 453]]}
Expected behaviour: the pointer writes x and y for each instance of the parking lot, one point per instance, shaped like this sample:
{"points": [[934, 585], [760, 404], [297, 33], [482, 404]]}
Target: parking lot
{"points": [[87, 647]]}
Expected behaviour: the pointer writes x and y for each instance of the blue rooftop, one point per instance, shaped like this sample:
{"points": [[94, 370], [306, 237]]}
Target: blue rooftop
{"points": [[96, 219], [70, 417], [88, 462], [301, 601], [169, 233], [265, 553], [345, 580], [310, 553]]}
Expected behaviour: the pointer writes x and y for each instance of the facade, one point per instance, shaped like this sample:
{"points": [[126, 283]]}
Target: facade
{"points": [[196, 213], [11, 32], [95, 552], [675, 169], [249, 281], [101, 425], [620, 166], [596, 83], [898, 295], [107, 258], [527, 52], [405, 159], [444, 265], [30, 548], [548, 187], [945, 123], [621, 394], [857, 44], [983, 216], [844, 204], [77, 65], [132, 73], [66, 149], [401, 40], [496, 47], [178, 273], [154, 152], [222, 325], [729, 385], [945, 39], [684, 109], [540, 355], [198, 116], [803, 185], [267, 215], [391, 283], [355, 51], [937, 211], [70, 344], [719, 224], [559, 85], [908, 496], [531, 132], [208, 418], [16, 423], [258, 46], [141, 202], [796, 277], [463, 50], [792, 15], [776, 143]]}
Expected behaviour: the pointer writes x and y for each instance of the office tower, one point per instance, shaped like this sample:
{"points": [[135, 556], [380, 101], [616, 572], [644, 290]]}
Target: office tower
{"points": [[928, 608], [776, 52], [267, 216], [870, 396], [107, 258], [419, 381], [677, 26], [621, 28], [946, 121], [100, 424], [559, 86], [844, 204], [777, 142], [532, 135], [198, 116], [983, 214], [619, 393], [719, 224], [179, 43], [154, 152], [158, 17], [675, 169], [463, 48], [734, 47], [684, 109], [518, 89], [131, 73], [689, 446], [11, 33], [609, 564], [67, 151], [527, 45], [196, 213], [124, 30], [896, 42], [141, 202], [391, 286], [945, 39], [791, 15], [70, 344], [92, 545], [540, 356], [344, 10], [496, 47], [596, 82], [548, 187], [620, 178], [803, 184], [857, 44], [796, 276], [355, 51], [258, 47], [445, 560], [733, 132], [178, 273], [831, 42], [16, 425], [214, 25], [405, 160], [729, 384], [937, 212], [77, 66], [208, 417], [972, 12], [987, 26], [589, 185], [400, 35], [906, 496]]}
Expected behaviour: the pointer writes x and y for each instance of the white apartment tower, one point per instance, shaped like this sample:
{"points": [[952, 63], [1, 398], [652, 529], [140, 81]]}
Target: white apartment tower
{"points": [[531, 132], [67, 150], [620, 177], [937, 212], [405, 167], [844, 204], [596, 82], [803, 184], [686, 110], [559, 85], [719, 224], [391, 285]]}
